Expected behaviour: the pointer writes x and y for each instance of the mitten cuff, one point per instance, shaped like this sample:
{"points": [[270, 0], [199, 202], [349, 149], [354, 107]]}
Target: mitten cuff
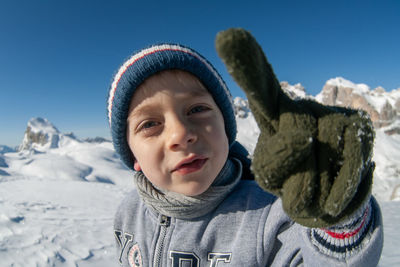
{"points": [[346, 238]]}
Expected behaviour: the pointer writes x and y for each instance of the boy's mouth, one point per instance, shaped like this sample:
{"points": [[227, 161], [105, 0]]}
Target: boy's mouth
{"points": [[190, 164]]}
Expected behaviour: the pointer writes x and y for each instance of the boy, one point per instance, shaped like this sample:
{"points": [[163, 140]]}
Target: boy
{"points": [[172, 122]]}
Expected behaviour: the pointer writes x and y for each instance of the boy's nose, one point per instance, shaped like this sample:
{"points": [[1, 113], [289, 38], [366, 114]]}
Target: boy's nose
{"points": [[180, 135]]}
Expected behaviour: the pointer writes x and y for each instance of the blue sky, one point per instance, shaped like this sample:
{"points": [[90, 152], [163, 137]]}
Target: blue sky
{"points": [[57, 58]]}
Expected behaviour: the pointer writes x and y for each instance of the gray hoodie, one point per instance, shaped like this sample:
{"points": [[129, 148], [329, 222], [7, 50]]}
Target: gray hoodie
{"points": [[249, 228]]}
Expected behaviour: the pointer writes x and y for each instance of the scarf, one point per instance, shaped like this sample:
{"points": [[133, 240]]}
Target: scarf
{"points": [[189, 207]]}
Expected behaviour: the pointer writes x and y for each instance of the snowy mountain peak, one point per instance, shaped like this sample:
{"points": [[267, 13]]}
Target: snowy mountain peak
{"points": [[42, 125], [41, 134], [379, 90], [360, 88], [296, 91], [382, 106]]}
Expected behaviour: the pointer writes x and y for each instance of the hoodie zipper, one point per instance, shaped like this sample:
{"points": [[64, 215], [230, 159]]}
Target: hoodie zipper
{"points": [[164, 224]]}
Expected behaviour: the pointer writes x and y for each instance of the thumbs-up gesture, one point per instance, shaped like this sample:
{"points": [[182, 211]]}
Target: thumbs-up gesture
{"points": [[316, 158]]}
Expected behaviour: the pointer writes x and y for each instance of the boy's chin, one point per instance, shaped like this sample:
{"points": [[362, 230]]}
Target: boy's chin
{"points": [[192, 191]]}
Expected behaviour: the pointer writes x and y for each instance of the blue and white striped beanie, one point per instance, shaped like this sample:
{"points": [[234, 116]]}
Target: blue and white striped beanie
{"points": [[149, 61]]}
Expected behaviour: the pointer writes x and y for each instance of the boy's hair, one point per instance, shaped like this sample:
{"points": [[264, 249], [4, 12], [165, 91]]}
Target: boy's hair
{"points": [[150, 61]]}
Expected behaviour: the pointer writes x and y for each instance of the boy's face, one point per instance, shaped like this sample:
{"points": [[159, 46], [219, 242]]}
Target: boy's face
{"points": [[176, 133]]}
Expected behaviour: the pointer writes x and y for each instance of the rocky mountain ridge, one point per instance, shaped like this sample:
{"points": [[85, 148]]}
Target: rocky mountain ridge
{"points": [[382, 106], [41, 134]]}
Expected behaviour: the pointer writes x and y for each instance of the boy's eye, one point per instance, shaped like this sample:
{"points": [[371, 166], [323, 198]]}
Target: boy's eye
{"points": [[148, 124], [198, 109]]}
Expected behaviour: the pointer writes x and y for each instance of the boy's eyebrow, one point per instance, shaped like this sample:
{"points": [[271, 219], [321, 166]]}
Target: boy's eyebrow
{"points": [[200, 92], [140, 110]]}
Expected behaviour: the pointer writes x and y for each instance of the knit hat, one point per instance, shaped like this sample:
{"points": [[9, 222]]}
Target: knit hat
{"points": [[149, 61]]}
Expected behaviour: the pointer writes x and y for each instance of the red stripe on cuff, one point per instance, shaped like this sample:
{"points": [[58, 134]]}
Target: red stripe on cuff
{"points": [[344, 235]]}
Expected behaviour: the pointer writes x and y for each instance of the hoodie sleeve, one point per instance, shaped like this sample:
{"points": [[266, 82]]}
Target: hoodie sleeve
{"points": [[355, 242]]}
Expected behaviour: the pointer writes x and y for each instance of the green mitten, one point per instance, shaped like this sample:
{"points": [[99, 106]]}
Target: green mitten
{"points": [[316, 158]]}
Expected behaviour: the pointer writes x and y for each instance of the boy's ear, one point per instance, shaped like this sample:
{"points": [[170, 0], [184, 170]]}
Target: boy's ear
{"points": [[136, 166]]}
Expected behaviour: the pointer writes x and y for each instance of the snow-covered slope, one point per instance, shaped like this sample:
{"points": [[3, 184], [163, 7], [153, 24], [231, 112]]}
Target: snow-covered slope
{"points": [[49, 222], [387, 172], [47, 153], [58, 196]]}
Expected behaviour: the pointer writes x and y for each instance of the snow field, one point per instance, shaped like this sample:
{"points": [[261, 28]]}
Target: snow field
{"points": [[45, 222]]}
